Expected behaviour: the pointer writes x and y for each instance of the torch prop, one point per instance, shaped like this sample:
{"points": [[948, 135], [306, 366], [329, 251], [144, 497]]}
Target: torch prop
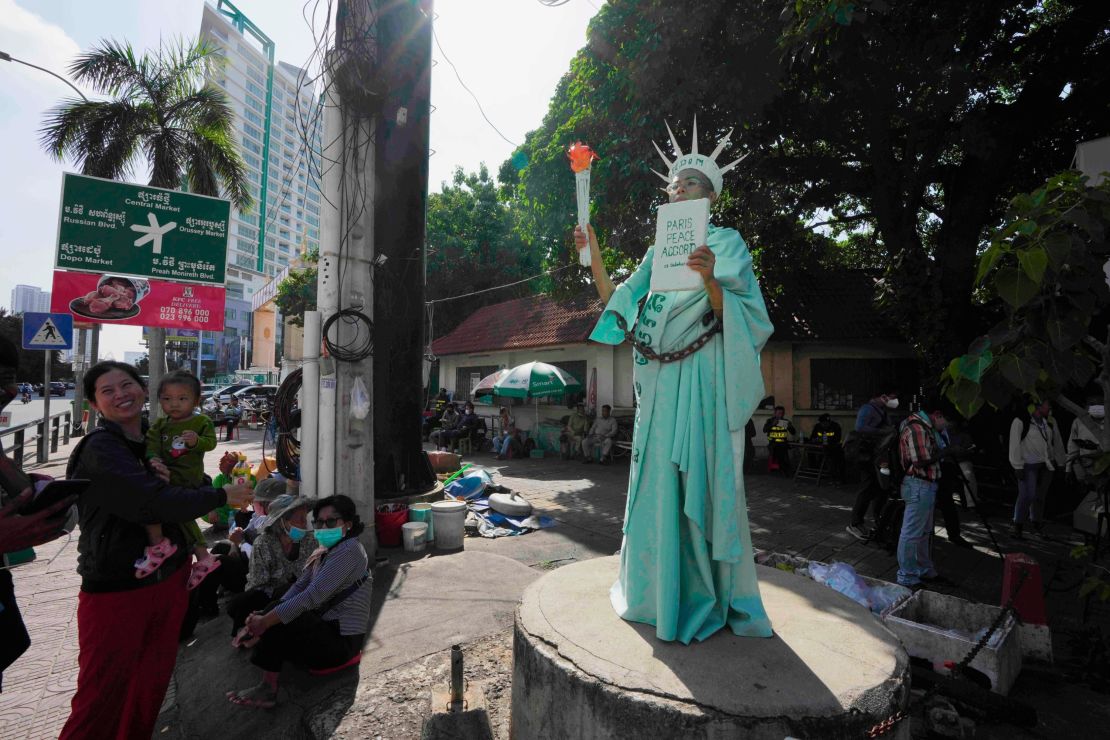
{"points": [[581, 157]]}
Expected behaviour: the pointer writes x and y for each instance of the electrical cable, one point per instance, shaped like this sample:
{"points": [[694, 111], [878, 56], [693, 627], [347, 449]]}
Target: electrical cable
{"points": [[288, 447], [464, 87], [360, 346], [499, 287]]}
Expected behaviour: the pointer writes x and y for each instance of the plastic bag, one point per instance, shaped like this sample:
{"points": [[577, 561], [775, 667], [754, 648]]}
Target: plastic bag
{"points": [[360, 400], [843, 578], [887, 595]]}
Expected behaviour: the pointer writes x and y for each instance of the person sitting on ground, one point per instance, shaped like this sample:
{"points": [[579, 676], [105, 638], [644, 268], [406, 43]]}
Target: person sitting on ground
{"points": [[504, 444], [602, 434], [779, 431], [570, 441], [232, 415], [321, 621], [234, 553], [469, 423], [447, 424], [278, 556]]}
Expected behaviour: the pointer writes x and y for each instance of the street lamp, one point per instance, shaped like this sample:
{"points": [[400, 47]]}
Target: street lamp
{"points": [[6, 57], [78, 393]]}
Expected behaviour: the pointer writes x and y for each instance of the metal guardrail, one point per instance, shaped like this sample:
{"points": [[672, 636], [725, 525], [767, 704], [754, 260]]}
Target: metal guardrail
{"points": [[18, 450]]}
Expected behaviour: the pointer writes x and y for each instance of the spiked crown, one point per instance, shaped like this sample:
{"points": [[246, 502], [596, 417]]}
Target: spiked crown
{"points": [[694, 160]]}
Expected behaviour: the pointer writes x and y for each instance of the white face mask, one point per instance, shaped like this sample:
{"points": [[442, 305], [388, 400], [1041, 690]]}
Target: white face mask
{"points": [[892, 403], [1097, 412]]}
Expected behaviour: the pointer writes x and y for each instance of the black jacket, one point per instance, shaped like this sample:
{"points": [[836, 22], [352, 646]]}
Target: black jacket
{"points": [[125, 495]]}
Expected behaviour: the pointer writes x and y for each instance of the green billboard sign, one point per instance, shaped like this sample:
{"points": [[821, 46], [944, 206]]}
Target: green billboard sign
{"points": [[114, 227]]}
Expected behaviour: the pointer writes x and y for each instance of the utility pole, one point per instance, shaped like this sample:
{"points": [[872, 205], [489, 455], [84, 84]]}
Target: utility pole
{"points": [[344, 279], [404, 73]]}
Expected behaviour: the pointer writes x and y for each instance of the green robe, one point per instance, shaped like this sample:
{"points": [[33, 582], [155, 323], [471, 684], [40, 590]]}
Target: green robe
{"points": [[686, 561]]}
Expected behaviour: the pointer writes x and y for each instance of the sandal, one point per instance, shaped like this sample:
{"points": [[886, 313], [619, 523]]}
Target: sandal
{"points": [[256, 697], [200, 571], [245, 639], [153, 557]]}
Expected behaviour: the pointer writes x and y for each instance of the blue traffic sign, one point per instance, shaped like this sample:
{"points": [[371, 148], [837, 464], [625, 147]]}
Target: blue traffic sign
{"points": [[47, 331]]}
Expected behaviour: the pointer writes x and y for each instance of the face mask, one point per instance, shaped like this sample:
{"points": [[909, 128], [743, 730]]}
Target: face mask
{"points": [[297, 534], [329, 537], [892, 403], [1097, 412]]}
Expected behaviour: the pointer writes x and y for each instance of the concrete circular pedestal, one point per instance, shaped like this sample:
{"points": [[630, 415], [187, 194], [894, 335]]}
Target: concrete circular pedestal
{"points": [[580, 671]]}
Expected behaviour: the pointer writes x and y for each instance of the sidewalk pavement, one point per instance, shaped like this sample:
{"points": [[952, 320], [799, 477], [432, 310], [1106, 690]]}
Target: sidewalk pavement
{"points": [[426, 602]]}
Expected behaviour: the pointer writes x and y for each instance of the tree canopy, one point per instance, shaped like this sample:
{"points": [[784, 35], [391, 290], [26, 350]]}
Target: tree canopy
{"points": [[473, 245], [904, 128]]}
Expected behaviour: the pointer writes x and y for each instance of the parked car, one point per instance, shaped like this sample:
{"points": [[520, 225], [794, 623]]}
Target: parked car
{"points": [[223, 394], [57, 388], [257, 392], [70, 385]]}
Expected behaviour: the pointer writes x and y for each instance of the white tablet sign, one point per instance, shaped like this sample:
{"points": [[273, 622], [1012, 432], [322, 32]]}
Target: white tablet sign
{"points": [[680, 229]]}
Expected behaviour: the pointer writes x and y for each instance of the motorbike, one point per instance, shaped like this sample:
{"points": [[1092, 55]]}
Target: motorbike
{"points": [[26, 397]]}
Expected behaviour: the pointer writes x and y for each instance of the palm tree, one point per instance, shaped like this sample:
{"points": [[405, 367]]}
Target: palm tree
{"points": [[159, 110]]}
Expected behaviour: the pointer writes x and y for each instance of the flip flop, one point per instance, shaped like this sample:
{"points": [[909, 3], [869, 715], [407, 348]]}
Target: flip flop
{"points": [[153, 557], [201, 571], [246, 698], [245, 640]]}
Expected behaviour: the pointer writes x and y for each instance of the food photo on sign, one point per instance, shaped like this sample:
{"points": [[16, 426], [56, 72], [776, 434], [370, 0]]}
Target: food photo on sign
{"points": [[135, 301], [116, 297]]}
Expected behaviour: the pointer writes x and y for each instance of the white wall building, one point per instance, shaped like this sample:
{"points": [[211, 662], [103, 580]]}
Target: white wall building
{"points": [[30, 298], [276, 116]]}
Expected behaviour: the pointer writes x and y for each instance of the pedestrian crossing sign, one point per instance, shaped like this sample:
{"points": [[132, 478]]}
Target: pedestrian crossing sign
{"points": [[47, 331]]}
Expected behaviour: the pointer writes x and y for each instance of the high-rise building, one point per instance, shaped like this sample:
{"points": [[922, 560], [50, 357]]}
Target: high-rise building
{"points": [[276, 117], [30, 298]]}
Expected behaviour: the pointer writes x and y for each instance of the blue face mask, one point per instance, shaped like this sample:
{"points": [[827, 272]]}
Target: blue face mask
{"points": [[329, 537], [296, 533]]}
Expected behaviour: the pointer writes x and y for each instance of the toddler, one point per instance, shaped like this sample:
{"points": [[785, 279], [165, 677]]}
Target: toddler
{"points": [[179, 440]]}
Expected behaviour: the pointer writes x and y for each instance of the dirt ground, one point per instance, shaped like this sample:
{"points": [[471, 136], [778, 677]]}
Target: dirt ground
{"points": [[396, 704]]}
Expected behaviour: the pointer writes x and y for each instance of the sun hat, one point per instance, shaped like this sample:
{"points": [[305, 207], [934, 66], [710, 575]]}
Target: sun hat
{"points": [[282, 505]]}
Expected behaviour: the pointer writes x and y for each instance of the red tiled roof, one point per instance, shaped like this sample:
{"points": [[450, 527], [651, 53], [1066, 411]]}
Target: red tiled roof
{"points": [[535, 321], [807, 307]]}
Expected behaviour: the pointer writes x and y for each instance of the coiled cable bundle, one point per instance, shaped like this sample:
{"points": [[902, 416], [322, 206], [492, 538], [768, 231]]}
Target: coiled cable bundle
{"points": [[360, 346], [287, 419]]}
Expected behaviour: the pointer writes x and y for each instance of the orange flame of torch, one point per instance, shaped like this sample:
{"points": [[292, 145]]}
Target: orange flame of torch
{"points": [[580, 156]]}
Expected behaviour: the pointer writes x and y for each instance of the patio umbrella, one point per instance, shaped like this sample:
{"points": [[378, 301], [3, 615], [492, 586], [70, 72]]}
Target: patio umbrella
{"points": [[536, 380], [485, 389]]}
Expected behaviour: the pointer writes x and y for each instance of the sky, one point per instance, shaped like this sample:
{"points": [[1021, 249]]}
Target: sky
{"points": [[510, 53]]}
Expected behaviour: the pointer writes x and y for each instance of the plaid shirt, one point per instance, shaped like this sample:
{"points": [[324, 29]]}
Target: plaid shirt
{"points": [[917, 443]]}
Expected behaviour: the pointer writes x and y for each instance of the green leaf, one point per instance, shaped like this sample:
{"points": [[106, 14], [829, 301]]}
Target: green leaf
{"points": [[1057, 246], [1064, 333], [1033, 261], [980, 345], [965, 395], [987, 261], [1018, 371], [1102, 464], [952, 372], [1014, 286], [972, 367]]}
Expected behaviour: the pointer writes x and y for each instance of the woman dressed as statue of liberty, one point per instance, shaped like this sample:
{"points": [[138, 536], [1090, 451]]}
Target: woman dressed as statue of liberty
{"points": [[686, 561]]}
